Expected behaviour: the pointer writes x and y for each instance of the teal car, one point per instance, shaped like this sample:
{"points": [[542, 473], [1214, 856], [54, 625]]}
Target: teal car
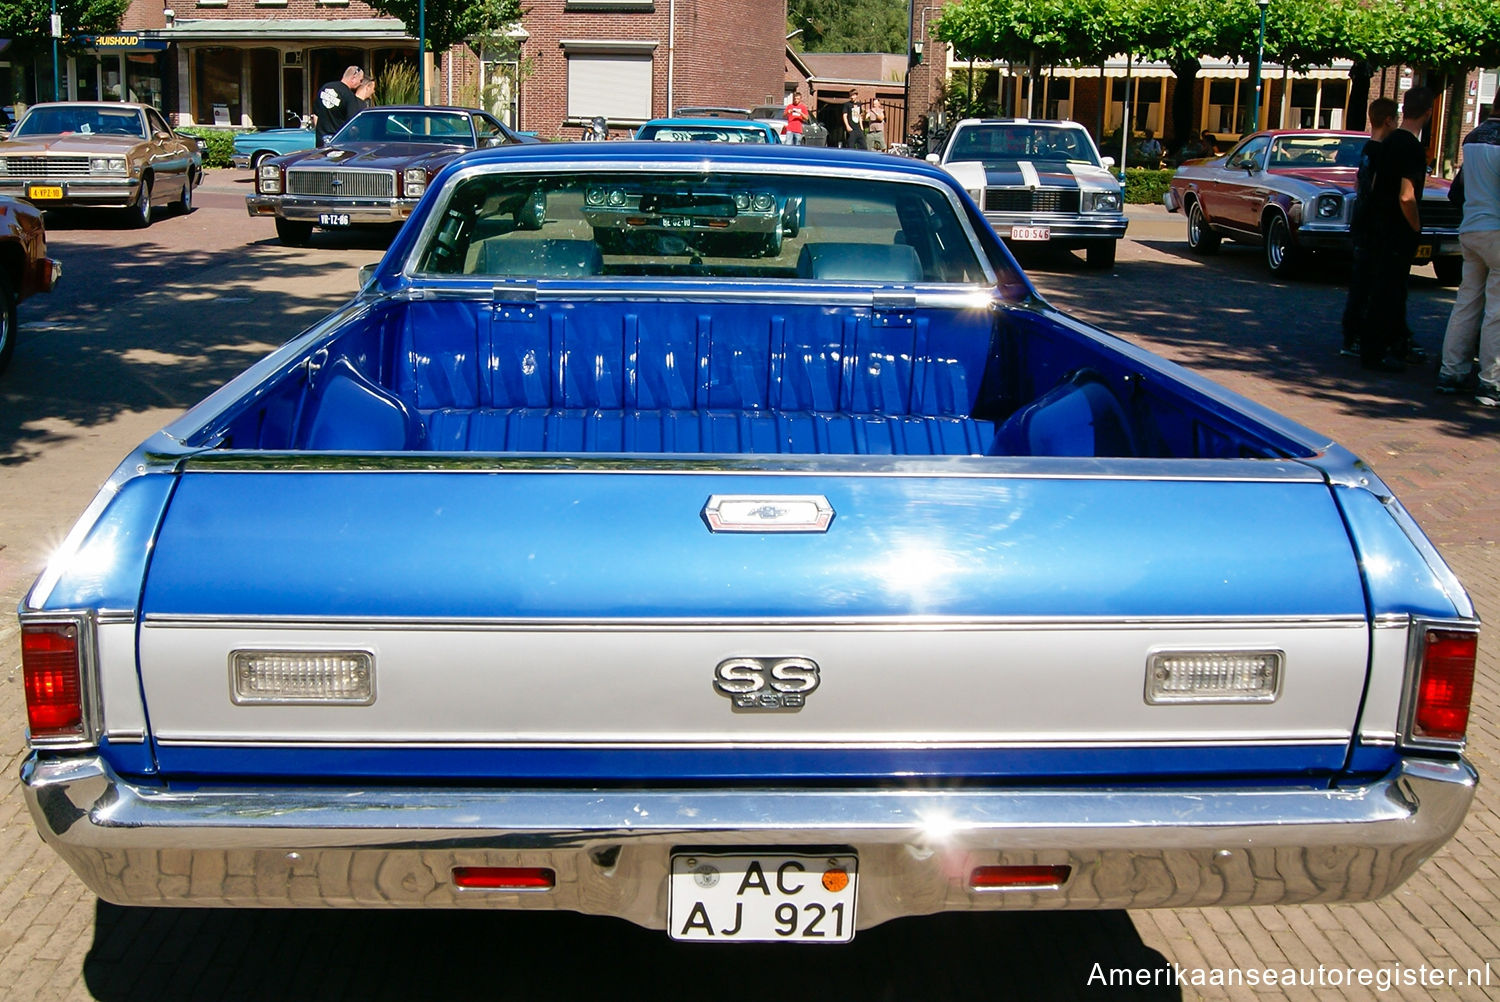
{"points": [[250, 148], [707, 130]]}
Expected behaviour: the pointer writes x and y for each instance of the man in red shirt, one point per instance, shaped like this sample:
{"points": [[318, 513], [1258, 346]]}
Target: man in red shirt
{"points": [[796, 113]]}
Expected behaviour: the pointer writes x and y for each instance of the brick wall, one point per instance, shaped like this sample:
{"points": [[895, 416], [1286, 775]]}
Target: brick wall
{"points": [[147, 14], [725, 52]]}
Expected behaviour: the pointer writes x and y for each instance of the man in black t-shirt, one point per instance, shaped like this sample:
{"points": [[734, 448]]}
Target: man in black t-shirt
{"points": [[334, 103], [1357, 307], [1394, 224]]}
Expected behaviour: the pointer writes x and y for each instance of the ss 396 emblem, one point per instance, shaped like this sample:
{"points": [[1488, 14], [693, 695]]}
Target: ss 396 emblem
{"points": [[766, 683]]}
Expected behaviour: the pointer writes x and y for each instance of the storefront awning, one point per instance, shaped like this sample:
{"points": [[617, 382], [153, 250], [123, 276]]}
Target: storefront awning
{"points": [[273, 29]]}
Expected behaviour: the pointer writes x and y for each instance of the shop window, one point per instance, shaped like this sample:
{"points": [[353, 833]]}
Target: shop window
{"points": [[216, 86], [143, 80]]}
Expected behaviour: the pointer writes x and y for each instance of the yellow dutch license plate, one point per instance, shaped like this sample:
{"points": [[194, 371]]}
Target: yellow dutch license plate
{"points": [[1424, 252], [44, 191]]}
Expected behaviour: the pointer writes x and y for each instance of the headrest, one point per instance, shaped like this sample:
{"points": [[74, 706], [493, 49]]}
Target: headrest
{"points": [[522, 257], [860, 262]]}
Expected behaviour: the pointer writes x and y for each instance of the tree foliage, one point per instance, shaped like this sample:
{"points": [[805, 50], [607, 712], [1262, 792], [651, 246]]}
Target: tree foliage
{"points": [[1445, 36], [29, 22], [848, 25], [449, 22]]}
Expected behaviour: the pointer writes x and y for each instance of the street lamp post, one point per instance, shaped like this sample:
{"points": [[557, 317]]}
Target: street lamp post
{"points": [[1260, 52]]}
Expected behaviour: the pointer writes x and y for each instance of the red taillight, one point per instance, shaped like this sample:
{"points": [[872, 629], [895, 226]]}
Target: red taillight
{"points": [[505, 878], [1445, 682], [53, 678], [1004, 878]]}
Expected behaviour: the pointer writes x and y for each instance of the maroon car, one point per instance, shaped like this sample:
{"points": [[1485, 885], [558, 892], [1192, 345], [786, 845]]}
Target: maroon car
{"points": [[375, 170], [25, 268], [1292, 192]]}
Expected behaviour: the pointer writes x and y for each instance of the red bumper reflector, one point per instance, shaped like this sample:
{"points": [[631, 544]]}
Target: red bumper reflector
{"points": [[1446, 684], [505, 878], [54, 693], [1000, 878]]}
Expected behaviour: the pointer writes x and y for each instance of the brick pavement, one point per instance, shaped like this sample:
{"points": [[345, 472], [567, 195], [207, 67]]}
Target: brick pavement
{"points": [[1272, 343]]}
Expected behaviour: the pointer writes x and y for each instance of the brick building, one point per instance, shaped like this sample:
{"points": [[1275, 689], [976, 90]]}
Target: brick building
{"points": [[249, 63]]}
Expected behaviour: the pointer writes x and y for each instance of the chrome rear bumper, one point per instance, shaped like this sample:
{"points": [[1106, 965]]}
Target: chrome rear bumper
{"points": [[378, 847]]}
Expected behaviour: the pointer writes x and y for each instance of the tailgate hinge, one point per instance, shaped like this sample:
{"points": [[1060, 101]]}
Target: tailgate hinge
{"points": [[893, 309], [514, 302]]}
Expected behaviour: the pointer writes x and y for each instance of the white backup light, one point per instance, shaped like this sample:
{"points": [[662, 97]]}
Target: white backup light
{"points": [[318, 677], [1213, 676]]}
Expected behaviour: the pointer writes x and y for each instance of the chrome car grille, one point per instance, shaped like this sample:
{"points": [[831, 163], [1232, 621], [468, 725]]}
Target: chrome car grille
{"points": [[1440, 214], [1030, 200], [341, 183], [44, 166]]}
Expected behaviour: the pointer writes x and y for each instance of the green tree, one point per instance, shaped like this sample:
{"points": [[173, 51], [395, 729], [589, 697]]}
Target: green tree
{"points": [[848, 25], [29, 22], [449, 22]]}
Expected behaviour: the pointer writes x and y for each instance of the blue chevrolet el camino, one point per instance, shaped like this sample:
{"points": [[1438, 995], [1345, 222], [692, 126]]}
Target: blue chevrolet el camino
{"points": [[741, 595]]}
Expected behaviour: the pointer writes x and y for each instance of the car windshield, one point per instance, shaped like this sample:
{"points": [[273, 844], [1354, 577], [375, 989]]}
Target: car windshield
{"points": [[1318, 151], [1007, 143], [655, 224], [86, 120], [682, 133], [383, 125]]}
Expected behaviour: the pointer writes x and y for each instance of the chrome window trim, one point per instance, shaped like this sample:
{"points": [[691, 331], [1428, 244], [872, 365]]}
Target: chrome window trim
{"points": [[554, 167], [1340, 741], [90, 695], [1416, 642]]}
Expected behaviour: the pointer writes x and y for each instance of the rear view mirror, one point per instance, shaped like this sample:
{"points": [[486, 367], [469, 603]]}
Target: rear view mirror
{"points": [[931, 158], [1108, 162], [367, 273]]}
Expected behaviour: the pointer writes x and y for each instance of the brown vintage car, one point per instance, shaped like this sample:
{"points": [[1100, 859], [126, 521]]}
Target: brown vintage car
{"points": [[1292, 193], [76, 154], [25, 268]]}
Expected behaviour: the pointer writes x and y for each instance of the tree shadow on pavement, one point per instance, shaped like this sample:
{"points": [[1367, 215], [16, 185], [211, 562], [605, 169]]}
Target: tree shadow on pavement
{"points": [[1287, 333], [156, 325], [167, 955]]}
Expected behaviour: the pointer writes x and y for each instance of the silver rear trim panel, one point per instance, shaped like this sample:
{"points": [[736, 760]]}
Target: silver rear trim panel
{"points": [[378, 847]]}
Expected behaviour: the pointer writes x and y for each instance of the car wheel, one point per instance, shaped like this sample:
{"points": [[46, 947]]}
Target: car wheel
{"points": [[533, 212], [185, 203], [293, 233], [1101, 254], [256, 159], [140, 213], [1281, 255], [1201, 238], [7, 322], [793, 218], [1450, 270], [771, 245]]}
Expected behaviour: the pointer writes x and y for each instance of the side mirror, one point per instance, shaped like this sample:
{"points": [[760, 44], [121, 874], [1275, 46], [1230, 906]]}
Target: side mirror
{"points": [[1108, 162], [932, 158], [160, 136], [367, 273]]}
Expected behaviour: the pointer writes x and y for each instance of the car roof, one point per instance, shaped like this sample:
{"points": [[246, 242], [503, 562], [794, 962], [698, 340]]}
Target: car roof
{"points": [[1069, 123], [708, 123], [726, 156], [112, 105]]}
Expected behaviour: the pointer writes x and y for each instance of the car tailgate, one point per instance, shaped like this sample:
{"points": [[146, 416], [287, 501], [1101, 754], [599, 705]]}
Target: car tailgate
{"points": [[962, 624]]}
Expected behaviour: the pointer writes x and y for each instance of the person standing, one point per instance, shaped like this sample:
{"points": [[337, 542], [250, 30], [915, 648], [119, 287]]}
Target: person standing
{"points": [[363, 95], [1395, 223], [333, 103], [1357, 305], [853, 115], [1475, 320], [1151, 151], [796, 115], [875, 124]]}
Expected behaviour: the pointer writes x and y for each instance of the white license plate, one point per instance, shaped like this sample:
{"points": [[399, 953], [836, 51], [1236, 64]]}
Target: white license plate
{"points": [[1031, 233], [764, 897], [333, 219]]}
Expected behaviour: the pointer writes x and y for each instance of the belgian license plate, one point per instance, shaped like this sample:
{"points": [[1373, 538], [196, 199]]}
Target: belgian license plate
{"points": [[762, 898], [1031, 233], [333, 219], [1424, 251], [677, 222], [44, 191]]}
